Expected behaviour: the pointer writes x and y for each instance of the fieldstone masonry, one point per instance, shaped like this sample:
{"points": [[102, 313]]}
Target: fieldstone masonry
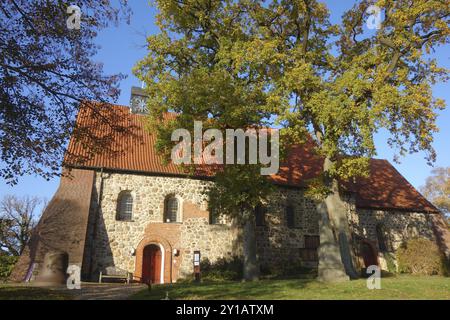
{"points": [[116, 242], [120, 243], [279, 245]]}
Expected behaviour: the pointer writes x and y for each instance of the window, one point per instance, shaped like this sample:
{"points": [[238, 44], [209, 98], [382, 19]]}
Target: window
{"points": [[124, 207], [290, 216], [171, 210], [214, 217], [260, 216], [381, 238]]}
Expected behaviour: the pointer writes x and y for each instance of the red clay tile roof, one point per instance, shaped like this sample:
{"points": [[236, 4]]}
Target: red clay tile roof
{"points": [[386, 188], [132, 149]]}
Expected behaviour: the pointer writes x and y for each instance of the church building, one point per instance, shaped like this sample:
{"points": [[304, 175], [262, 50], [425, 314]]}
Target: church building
{"points": [[125, 208]]}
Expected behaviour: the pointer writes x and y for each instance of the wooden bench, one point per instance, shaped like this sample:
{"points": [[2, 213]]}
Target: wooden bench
{"points": [[115, 273]]}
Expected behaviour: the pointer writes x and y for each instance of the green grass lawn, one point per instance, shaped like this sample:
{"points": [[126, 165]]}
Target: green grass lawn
{"points": [[8, 292], [401, 287]]}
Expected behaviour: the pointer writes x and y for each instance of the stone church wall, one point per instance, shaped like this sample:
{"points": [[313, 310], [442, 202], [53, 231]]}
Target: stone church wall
{"points": [[279, 245], [116, 242], [394, 228], [121, 243]]}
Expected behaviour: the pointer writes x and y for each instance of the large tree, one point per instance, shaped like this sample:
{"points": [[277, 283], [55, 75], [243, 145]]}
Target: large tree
{"points": [[17, 219], [437, 189], [192, 70], [241, 63], [46, 71]]}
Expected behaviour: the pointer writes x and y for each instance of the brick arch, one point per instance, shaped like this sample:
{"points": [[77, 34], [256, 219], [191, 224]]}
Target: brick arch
{"points": [[168, 249]]}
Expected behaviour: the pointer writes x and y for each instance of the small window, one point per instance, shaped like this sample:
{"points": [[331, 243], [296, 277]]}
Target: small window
{"points": [[171, 210], [125, 207], [382, 245], [260, 216], [214, 217], [290, 216]]}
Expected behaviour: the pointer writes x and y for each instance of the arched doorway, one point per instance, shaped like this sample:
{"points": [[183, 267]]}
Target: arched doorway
{"points": [[153, 264], [368, 254]]}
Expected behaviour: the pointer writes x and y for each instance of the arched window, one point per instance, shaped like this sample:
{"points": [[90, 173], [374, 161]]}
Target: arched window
{"points": [[125, 207], [381, 238], [171, 210]]}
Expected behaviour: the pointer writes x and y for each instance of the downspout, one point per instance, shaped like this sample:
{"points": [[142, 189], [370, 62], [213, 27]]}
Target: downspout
{"points": [[95, 226]]}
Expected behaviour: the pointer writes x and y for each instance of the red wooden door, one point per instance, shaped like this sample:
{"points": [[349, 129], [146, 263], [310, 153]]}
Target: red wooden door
{"points": [[151, 264]]}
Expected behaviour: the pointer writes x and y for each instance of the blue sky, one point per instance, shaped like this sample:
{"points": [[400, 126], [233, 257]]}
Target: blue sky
{"points": [[123, 46]]}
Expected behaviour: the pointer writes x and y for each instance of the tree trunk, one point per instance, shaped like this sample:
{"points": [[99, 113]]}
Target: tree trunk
{"points": [[251, 265], [335, 258]]}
